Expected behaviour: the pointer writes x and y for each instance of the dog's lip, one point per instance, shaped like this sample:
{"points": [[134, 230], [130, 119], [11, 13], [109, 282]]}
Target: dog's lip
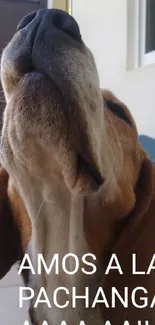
{"points": [[91, 168], [81, 176], [89, 173]]}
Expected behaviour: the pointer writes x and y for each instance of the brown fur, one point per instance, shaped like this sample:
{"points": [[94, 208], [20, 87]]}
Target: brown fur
{"points": [[20, 216]]}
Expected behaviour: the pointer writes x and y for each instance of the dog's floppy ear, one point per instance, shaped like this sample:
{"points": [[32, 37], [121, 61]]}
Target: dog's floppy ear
{"points": [[137, 237], [117, 107], [10, 242]]}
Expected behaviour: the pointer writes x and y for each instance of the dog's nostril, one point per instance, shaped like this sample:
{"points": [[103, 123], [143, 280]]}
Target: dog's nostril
{"points": [[53, 17], [66, 23], [26, 20]]}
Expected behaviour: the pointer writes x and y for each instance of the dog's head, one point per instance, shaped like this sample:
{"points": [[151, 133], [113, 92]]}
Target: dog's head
{"points": [[58, 123], [50, 81], [55, 118]]}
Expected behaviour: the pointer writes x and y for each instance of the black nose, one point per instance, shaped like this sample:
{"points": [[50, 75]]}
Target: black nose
{"points": [[53, 17], [26, 20]]}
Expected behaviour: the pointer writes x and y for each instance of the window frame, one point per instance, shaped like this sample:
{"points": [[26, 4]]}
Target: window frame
{"points": [[144, 58], [61, 4], [136, 35]]}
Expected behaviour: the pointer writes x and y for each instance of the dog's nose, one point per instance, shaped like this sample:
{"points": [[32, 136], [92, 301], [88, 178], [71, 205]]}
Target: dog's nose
{"points": [[47, 41], [26, 20], [53, 18]]}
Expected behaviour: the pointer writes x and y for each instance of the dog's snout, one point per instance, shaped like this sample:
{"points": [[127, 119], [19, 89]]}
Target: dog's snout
{"points": [[53, 17], [26, 20], [46, 40], [65, 23]]}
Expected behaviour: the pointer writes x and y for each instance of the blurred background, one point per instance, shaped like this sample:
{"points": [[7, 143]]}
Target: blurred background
{"points": [[121, 35]]}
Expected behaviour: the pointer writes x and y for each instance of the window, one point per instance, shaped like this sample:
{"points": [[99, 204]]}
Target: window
{"points": [[141, 33], [147, 32], [61, 4], [69, 7]]}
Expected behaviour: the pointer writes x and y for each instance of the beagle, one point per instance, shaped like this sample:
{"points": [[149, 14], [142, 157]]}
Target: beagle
{"points": [[74, 177]]}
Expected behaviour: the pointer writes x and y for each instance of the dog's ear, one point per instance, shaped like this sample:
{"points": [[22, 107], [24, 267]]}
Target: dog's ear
{"points": [[117, 107], [10, 242], [137, 237]]}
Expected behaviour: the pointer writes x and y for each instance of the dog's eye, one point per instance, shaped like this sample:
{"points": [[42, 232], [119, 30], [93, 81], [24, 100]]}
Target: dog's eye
{"points": [[118, 110]]}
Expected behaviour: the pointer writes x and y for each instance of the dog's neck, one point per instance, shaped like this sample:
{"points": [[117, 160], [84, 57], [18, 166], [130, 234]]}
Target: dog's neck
{"points": [[57, 219], [93, 221], [63, 223]]}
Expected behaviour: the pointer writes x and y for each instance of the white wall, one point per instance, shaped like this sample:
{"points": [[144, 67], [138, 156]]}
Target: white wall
{"points": [[103, 25]]}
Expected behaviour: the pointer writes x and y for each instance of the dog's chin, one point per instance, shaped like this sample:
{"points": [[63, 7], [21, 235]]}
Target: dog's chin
{"points": [[81, 175]]}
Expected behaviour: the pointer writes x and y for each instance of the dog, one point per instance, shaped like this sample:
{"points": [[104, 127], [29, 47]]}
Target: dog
{"points": [[74, 177]]}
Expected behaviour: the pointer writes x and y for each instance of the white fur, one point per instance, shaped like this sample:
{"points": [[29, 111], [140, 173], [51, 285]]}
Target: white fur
{"points": [[57, 227]]}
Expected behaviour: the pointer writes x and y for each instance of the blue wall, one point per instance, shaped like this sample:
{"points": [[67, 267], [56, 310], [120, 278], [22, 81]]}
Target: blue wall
{"points": [[149, 146]]}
